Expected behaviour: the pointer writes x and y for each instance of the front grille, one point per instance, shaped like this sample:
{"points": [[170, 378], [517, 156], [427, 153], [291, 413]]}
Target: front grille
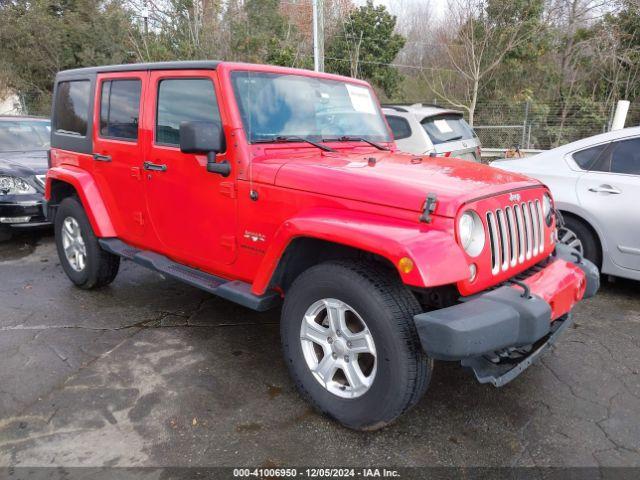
{"points": [[516, 234]]}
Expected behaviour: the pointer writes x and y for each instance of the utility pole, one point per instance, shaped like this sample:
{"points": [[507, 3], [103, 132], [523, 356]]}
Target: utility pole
{"points": [[145, 16], [318, 36]]}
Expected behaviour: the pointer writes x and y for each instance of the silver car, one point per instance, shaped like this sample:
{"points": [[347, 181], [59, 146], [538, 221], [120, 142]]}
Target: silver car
{"points": [[596, 186], [424, 129]]}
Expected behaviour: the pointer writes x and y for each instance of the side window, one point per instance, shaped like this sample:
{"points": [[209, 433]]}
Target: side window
{"points": [[587, 157], [182, 100], [399, 127], [120, 109], [72, 107], [625, 157]]}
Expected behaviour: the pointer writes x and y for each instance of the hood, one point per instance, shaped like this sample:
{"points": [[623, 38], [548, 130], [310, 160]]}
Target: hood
{"points": [[397, 179], [35, 162]]}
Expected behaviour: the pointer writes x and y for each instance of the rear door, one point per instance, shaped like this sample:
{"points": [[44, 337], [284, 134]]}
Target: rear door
{"points": [[118, 150], [192, 211], [610, 190]]}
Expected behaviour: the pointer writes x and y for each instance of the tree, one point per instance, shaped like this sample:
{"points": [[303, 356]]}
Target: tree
{"points": [[177, 30], [40, 37], [619, 55], [477, 38], [261, 34], [367, 46]]}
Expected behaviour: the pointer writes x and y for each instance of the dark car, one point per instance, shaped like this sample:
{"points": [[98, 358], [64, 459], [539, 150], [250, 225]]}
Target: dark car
{"points": [[24, 142]]}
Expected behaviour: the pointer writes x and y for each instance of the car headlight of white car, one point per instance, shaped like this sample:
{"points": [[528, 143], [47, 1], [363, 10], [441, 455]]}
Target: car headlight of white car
{"points": [[471, 233], [547, 208], [15, 186]]}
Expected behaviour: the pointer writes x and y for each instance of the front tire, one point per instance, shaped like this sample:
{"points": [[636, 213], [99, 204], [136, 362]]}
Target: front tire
{"points": [[351, 345], [86, 264]]}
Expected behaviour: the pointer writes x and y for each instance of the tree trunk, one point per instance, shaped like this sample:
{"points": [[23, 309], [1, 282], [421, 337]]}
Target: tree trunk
{"points": [[474, 101]]}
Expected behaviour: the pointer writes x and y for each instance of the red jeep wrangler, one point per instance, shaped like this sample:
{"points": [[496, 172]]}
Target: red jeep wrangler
{"points": [[265, 185]]}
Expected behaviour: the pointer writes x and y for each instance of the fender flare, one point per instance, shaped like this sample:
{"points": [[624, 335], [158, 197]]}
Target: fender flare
{"points": [[88, 193], [437, 257]]}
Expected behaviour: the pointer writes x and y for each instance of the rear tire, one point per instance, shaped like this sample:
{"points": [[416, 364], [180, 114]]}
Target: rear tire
{"points": [[577, 229], [86, 264], [401, 371]]}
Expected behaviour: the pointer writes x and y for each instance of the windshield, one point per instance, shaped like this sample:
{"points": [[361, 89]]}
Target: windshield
{"points": [[24, 135], [447, 128], [277, 105]]}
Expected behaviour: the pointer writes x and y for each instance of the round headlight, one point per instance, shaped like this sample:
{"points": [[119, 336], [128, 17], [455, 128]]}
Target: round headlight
{"points": [[471, 233], [547, 209]]}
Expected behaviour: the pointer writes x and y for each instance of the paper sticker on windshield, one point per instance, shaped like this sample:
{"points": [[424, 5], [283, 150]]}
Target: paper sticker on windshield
{"points": [[442, 126], [361, 99]]}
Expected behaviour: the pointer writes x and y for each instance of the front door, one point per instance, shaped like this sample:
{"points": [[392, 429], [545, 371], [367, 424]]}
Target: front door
{"points": [[611, 192], [118, 151], [192, 212]]}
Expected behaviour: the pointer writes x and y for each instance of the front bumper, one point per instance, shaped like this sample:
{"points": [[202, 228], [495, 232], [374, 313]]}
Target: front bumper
{"points": [[15, 208], [513, 324]]}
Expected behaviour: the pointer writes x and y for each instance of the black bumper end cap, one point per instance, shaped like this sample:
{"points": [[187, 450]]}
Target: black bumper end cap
{"points": [[484, 323], [591, 272]]}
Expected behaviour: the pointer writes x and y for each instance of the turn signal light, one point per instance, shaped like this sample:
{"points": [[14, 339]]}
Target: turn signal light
{"points": [[405, 265]]}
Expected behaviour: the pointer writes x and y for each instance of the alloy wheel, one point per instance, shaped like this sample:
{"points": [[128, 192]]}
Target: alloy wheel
{"points": [[569, 237], [73, 244], [338, 348]]}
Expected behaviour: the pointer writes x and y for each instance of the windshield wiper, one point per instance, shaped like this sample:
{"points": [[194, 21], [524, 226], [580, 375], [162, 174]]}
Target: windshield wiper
{"points": [[357, 139], [294, 138]]}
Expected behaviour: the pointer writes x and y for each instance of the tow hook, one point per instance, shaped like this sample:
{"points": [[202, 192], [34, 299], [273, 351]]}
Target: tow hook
{"points": [[428, 208]]}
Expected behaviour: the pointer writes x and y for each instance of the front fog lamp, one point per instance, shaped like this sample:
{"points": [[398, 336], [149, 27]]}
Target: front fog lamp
{"points": [[471, 233], [473, 271], [547, 209]]}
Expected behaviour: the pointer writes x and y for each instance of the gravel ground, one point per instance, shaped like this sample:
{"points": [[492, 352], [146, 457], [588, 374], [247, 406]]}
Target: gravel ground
{"points": [[150, 372]]}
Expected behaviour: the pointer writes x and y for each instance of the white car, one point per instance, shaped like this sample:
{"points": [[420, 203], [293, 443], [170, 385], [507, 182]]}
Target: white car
{"points": [[423, 129], [596, 185]]}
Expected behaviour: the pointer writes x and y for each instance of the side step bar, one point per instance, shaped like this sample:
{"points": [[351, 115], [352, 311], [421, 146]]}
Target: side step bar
{"points": [[235, 291]]}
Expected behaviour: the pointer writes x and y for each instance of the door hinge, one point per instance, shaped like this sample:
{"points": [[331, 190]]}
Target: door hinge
{"points": [[228, 241], [228, 189]]}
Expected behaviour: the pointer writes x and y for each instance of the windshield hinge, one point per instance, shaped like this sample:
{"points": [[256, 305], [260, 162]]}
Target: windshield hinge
{"points": [[428, 208]]}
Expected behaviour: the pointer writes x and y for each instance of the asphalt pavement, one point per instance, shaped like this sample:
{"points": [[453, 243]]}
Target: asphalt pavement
{"points": [[151, 372]]}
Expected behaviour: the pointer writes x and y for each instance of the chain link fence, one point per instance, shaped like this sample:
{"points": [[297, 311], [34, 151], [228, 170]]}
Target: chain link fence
{"points": [[542, 126]]}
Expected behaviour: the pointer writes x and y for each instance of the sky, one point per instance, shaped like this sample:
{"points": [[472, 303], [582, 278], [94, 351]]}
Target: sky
{"points": [[438, 6]]}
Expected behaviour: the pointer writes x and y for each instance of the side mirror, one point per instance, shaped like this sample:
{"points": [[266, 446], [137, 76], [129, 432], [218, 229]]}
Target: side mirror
{"points": [[207, 138]]}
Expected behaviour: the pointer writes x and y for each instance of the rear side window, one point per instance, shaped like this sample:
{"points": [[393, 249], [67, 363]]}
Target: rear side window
{"points": [[447, 128], [120, 109], [625, 157], [183, 100], [587, 157], [72, 107], [399, 126]]}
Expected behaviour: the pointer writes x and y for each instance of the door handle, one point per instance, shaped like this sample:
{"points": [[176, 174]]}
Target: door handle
{"points": [[101, 158], [605, 189], [155, 167]]}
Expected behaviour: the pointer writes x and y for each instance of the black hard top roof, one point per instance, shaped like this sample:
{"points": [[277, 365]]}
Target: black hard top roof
{"points": [[136, 67]]}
